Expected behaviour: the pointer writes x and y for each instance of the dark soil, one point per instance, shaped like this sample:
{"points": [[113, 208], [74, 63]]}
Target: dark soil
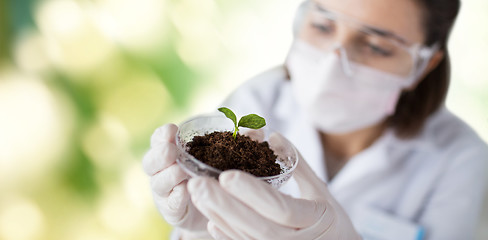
{"points": [[220, 150]]}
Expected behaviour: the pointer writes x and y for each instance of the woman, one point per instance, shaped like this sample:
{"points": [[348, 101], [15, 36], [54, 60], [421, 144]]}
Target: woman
{"points": [[361, 96]]}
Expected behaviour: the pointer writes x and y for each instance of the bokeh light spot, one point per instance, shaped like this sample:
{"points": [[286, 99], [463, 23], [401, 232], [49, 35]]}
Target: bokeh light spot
{"points": [[30, 53], [117, 214], [138, 102], [74, 43], [137, 25], [20, 219], [106, 141], [32, 132]]}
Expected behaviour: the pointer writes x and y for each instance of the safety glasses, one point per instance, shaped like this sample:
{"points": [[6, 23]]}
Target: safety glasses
{"points": [[363, 44]]}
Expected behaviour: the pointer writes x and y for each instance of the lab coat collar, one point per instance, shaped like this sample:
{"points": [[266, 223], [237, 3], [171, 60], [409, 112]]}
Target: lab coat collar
{"points": [[384, 154], [372, 160]]}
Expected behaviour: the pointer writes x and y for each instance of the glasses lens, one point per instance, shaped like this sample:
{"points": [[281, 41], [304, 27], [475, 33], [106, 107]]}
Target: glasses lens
{"points": [[322, 29], [380, 53]]}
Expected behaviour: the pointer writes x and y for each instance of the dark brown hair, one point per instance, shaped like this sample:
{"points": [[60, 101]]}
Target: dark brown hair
{"points": [[415, 106]]}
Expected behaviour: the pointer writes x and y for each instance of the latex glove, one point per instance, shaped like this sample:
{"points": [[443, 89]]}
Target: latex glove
{"points": [[169, 185], [239, 206]]}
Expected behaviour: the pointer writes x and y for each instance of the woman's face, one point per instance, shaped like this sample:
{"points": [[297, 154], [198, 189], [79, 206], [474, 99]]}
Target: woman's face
{"points": [[378, 33]]}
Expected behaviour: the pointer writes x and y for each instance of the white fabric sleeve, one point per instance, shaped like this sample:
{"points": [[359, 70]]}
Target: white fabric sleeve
{"points": [[375, 224], [453, 210]]}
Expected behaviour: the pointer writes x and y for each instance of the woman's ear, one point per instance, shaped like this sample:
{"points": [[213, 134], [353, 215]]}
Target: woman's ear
{"points": [[433, 63]]}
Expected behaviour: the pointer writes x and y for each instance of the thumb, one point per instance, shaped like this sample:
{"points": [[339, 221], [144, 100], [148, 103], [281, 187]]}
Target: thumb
{"points": [[311, 187]]}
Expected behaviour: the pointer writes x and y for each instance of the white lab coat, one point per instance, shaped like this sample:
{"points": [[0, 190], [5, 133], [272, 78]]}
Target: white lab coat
{"points": [[429, 187]]}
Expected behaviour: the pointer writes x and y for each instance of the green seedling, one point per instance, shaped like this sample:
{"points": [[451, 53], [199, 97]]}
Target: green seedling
{"points": [[252, 121]]}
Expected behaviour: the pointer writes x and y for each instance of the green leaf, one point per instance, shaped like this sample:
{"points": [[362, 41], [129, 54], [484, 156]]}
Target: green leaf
{"points": [[229, 114], [252, 121]]}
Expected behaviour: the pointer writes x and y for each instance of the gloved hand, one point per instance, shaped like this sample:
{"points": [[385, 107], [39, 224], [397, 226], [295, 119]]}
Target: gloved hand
{"points": [[239, 206], [168, 184]]}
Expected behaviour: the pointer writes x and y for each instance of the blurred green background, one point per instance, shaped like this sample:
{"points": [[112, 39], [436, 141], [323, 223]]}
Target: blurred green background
{"points": [[84, 83]]}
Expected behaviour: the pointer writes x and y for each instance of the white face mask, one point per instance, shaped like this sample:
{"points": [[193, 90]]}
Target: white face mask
{"points": [[340, 96]]}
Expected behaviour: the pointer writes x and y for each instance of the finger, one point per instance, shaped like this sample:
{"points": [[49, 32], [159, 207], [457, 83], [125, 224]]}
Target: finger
{"points": [[254, 134], [165, 133], [311, 187], [163, 182], [159, 157], [216, 232], [280, 145], [230, 214], [178, 198], [285, 151], [269, 202], [223, 225], [174, 208]]}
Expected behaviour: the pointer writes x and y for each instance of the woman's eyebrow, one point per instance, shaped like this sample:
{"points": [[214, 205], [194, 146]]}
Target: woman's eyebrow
{"points": [[371, 29], [384, 33]]}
